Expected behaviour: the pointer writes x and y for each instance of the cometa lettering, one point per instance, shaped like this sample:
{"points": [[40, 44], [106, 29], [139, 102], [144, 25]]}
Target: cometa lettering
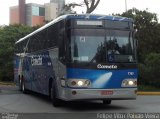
{"points": [[100, 66]]}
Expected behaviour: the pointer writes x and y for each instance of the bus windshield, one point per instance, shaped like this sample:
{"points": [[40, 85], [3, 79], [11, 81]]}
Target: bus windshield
{"points": [[120, 46], [100, 46]]}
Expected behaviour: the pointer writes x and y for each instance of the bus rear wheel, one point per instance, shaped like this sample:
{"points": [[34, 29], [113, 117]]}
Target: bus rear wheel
{"points": [[20, 84], [107, 102], [23, 87]]}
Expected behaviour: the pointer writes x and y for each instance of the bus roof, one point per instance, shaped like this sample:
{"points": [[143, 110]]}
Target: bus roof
{"points": [[79, 16], [98, 17]]}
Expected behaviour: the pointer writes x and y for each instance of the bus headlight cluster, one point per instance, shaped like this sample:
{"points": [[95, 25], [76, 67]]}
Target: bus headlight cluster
{"points": [[129, 83], [79, 83]]}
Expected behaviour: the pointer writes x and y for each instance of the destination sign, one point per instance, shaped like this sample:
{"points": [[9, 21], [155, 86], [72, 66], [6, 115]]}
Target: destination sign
{"points": [[91, 23]]}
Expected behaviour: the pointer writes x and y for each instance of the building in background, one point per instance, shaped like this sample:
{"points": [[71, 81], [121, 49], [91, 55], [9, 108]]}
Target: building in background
{"points": [[35, 14], [60, 4], [14, 15], [51, 11], [22, 13]]}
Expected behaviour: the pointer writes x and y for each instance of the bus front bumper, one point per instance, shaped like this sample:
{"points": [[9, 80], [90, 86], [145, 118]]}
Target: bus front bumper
{"points": [[98, 94]]}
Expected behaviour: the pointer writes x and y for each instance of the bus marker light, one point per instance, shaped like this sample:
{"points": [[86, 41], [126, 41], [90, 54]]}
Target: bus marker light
{"points": [[73, 83], [87, 82], [135, 83]]}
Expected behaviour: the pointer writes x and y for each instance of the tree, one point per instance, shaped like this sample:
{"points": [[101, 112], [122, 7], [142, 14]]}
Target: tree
{"points": [[89, 4], [8, 36], [147, 31], [67, 9], [150, 70], [148, 36]]}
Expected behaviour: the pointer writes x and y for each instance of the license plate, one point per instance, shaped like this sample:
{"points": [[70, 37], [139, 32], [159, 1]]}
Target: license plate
{"points": [[107, 92]]}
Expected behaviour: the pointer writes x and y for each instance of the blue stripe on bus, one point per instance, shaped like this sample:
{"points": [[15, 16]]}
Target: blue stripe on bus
{"points": [[102, 78]]}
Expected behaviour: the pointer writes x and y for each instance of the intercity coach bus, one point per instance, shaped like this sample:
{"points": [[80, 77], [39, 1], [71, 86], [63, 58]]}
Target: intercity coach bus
{"points": [[79, 57]]}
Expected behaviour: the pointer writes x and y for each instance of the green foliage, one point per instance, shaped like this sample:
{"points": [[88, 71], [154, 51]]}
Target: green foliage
{"points": [[8, 36], [147, 88], [148, 35], [149, 72], [147, 31]]}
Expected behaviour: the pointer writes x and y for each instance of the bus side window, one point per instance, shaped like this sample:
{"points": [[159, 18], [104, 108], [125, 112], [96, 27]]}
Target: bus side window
{"points": [[52, 36], [35, 45], [42, 39], [30, 46]]}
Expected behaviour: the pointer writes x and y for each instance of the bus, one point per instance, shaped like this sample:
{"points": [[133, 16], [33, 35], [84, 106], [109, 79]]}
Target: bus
{"points": [[79, 57]]}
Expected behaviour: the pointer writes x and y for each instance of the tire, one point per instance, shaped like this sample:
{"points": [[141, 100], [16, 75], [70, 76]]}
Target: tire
{"points": [[23, 87], [107, 102], [20, 84], [55, 101], [50, 89]]}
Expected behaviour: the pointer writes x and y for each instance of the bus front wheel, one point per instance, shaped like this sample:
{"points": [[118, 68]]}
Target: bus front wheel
{"points": [[107, 102], [55, 101]]}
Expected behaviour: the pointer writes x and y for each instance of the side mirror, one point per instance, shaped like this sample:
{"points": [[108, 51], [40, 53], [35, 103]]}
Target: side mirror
{"points": [[25, 49], [135, 40]]}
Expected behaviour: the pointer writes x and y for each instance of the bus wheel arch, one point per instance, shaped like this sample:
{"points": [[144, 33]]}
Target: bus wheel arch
{"points": [[50, 87], [55, 101]]}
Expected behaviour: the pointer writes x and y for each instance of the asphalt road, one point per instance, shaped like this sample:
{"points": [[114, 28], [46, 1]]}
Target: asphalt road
{"points": [[13, 101]]}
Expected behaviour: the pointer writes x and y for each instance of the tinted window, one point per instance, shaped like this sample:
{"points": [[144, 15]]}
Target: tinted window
{"points": [[88, 45], [61, 39], [117, 24], [120, 46], [52, 36]]}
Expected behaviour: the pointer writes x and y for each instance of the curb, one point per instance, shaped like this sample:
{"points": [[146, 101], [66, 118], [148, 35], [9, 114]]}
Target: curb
{"points": [[7, 83], [148, 93]]}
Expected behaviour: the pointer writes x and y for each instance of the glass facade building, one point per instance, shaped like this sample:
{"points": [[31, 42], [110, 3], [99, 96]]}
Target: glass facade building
{"points": [[35, 14]]}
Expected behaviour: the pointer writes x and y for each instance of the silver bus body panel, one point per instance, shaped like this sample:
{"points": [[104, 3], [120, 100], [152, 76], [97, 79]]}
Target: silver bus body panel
{"points": [[95, 94]]}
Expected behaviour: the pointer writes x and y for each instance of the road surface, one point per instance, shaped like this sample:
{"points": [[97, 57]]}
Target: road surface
{"points": [[13, 101]]}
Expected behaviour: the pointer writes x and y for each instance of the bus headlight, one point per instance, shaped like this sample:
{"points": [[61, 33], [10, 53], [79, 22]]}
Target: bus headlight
{"points": [[79, 82], [129, 83]]}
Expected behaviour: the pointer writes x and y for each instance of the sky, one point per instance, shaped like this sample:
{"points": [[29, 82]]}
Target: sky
{"points": [[105, 7]]}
